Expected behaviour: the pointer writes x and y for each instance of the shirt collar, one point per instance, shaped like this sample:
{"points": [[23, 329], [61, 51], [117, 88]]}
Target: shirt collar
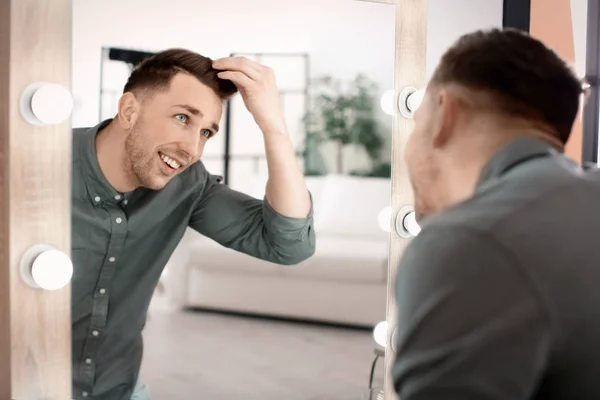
{"points": [[515, 153], [98, 188]]}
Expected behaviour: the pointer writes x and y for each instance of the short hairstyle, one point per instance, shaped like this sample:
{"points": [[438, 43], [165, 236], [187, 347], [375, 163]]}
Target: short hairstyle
{"points": [[525, 78], [155, 72]]}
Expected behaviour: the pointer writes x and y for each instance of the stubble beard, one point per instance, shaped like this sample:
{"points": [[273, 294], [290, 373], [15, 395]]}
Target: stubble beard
{"points": [[139, 164], [424, 200], [421, 210]]}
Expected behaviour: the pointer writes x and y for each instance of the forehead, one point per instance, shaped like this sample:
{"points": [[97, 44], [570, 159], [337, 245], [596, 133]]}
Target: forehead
{"points": [[186, 89]]}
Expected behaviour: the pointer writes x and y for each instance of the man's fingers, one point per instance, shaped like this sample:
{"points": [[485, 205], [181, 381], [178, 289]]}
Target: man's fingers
{"points": [[241, 64], [240, 79]]}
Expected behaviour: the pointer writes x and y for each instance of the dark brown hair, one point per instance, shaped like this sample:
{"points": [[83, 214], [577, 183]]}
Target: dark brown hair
{"points": [[155, 72], [525, 78]]}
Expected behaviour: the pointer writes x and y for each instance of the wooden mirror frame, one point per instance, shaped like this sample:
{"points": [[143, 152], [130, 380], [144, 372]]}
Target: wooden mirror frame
{"points": [[409, 70], [35, 201]]}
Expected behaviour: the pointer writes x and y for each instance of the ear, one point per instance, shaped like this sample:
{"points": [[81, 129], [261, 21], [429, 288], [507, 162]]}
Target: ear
{"points": [[128, 111], [445, 117]]}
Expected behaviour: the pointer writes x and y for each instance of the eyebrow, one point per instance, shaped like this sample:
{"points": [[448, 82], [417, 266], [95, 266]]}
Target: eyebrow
{"points": [[194, 111]]}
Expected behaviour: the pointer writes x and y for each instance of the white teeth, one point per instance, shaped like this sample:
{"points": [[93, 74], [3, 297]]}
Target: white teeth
{"points": [[170, 162]]}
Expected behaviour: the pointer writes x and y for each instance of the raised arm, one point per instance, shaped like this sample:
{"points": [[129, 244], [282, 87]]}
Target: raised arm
{"points": [[251, 225], [470, 326], [278, 228], [286, 190]]}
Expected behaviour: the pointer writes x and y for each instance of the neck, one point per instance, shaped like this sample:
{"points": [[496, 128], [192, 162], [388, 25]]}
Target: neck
{"points": [[473, 150], [110, 150]]}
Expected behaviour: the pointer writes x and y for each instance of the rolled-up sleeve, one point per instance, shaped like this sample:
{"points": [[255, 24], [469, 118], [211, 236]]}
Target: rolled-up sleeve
{"points": [[251, 226]]}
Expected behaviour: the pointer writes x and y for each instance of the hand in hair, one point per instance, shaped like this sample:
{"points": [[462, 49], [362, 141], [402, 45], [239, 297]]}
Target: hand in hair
{"points": [[258, 88]]}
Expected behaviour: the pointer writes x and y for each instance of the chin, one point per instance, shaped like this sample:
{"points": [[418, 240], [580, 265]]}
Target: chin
{"points": [[156, 183], [422, 208], [154, 177], [153, 181]]}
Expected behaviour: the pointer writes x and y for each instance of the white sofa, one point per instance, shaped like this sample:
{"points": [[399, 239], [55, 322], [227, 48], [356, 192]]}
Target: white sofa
{"points": [[344, 282]]}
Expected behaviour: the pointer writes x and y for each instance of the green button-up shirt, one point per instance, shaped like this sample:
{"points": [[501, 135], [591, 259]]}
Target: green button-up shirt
{"points": [[121, 243], [498, 295]]}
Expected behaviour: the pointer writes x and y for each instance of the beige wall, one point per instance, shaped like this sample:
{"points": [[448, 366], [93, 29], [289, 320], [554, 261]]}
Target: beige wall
{"points": [[552, 21]]}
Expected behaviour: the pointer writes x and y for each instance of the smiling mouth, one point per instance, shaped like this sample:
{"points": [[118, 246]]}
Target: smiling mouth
{"points": [[171, 163]]}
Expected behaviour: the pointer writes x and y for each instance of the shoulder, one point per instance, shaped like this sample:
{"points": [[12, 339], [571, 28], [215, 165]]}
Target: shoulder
{"points": [[453, 256], [196, 172], [82, 133], [440, 244], [451, 271], [516, 196], [199, 177], [81, 140], [78, 132]]}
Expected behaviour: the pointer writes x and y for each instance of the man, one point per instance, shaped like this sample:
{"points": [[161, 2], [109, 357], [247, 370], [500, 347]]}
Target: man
{"points": [[498, 294], [138, 184]]}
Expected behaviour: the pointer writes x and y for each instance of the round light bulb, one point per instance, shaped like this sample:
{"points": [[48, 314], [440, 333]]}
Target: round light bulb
{"points": [[52, 270], [380, 333], [384, 218], [415, 99], [47, 268], [410, 224], [387, 102], [46, 104]]}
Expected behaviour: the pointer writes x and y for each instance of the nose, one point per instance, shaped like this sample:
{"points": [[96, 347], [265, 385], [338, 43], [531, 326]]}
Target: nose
{"points": [[193, 147]]}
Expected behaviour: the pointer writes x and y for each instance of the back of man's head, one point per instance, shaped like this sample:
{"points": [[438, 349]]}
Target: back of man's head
{"points": [[524, 77]]}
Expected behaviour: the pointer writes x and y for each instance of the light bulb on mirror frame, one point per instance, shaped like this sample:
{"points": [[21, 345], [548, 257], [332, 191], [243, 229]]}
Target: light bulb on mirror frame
{"points": [[45, 104], [407, 225], [387, 102], [45, 267], [415, 99], [384, 219], [380, 333], [410, 100], [410, 224]]}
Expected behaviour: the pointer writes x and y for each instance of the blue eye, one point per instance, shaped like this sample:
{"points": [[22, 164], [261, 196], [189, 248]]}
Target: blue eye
{"points": [[182, 118], [206, 133]]}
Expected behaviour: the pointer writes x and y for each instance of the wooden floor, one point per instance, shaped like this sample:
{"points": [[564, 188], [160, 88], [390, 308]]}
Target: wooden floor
{"points": [[205, 355]]}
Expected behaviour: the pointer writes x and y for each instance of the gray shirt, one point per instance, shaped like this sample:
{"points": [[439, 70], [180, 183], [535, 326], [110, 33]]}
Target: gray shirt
{"points": [[121, 243], [499, 296]]}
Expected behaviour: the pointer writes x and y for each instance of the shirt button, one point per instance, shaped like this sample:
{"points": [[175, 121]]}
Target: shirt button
{"points": [[119, 220], [84, 394], [111, 259], [95, 333], [102, 291], [97, 199], [118, 197], [88, 360], [125, 202]]}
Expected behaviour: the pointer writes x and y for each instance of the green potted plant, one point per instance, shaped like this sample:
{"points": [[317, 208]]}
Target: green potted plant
{"points": [[343, 115]]}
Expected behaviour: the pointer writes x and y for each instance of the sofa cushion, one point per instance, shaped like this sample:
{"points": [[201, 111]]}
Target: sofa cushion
{"points": [[344, 259], [336, 259]]}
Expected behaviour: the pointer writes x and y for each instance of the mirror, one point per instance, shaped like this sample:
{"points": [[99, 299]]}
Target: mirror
{"points": [[222, 324]]}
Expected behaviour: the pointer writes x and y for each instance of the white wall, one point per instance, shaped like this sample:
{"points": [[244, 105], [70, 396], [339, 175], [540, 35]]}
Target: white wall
{"points": [[343, 37], [447, 20], [579, 17]]}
